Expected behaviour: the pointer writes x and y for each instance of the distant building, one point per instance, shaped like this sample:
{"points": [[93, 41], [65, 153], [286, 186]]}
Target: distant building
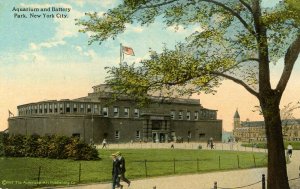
{"points": [[255, 130], [96, 117]]}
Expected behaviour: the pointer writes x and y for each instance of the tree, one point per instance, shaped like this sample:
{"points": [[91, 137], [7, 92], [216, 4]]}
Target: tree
{"points": [[239, 41]]}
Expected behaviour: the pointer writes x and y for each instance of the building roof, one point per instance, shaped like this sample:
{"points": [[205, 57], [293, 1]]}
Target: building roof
{"points": [[236, 115], [286, 122]]}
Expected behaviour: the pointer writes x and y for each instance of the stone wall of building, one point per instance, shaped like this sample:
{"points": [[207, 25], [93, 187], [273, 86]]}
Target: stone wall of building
{"points": [[96, 117]]}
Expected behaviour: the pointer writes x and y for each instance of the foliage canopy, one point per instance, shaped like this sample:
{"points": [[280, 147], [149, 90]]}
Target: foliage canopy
{"points": [[227, 43]]}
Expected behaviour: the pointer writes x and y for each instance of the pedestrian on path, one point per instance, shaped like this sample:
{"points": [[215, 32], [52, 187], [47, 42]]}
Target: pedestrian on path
{"points": [[116, 172], [104, 143], [208, 143], [121, 160], [290, 150]]}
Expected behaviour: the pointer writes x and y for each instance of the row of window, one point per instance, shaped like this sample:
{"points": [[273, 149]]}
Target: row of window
{"points": [[97, 109], [203, 114], [137, 134], [76, 108]]}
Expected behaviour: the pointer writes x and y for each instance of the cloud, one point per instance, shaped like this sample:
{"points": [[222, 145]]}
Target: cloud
{"points": [[88, 53], [98, 3], [65, 28], [48, 44], [132, 28]]}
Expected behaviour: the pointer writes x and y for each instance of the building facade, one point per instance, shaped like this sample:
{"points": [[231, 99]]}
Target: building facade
{"points": [[96, 117], [248, 131]]}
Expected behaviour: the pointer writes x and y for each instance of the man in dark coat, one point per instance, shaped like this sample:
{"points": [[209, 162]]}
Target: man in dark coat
{"points": [[121, 160], [116, 172]]}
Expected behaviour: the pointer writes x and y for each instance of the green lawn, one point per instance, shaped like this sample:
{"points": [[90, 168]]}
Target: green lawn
{"points": [[23, 172], [295, 144]]}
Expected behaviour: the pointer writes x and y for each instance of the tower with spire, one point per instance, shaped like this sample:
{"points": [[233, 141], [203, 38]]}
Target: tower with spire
{"points": [[236, 120]]}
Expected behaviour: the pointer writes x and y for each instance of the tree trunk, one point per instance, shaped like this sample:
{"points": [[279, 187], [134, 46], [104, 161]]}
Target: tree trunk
{"points": [[277, 173]]}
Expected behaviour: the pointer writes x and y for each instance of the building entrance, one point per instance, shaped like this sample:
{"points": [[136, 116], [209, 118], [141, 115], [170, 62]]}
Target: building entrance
{"points": [[159, 136]]}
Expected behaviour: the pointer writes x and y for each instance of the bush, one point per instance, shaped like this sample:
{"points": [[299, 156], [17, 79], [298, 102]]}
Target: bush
{"points": [[1, 144], [14, 146], [56, 147], [78, 150], [200, 147], [31, 145]]}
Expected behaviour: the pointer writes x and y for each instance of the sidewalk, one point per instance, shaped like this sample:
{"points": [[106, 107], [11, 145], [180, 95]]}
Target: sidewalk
{"points": [[225, 179]]}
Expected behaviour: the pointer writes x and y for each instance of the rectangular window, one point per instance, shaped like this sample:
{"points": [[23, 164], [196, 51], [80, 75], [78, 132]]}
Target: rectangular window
{"points": [[172, 114], [95, 108], [41, 109], [126, 112], [105, 111], [214, 115], [74, 107], [117, 134], [45, 108], [50, 108], [136, 112], [180, 117], [55, 108], [188, 115], [196, 115], [89, 110], [68, 109], [116, 112], [60, 108], [138, 135], [35, 110], [81, 108]]}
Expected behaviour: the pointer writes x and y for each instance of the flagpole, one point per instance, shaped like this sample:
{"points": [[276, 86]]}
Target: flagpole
{"points": [[120, 53]]}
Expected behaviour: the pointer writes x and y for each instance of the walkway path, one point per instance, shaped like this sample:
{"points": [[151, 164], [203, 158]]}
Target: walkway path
{"points": [[225, 179]]}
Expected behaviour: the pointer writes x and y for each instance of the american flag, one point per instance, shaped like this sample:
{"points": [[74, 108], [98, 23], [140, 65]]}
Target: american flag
{"points": [[10, 114], [128, 50]]}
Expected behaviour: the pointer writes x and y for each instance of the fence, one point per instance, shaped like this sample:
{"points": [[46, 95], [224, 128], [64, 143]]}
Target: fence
{"points": [[100, 171], [262, 181], [174, 166]]}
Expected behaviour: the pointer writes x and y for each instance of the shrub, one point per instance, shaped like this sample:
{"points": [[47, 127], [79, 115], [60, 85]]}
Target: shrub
{"points": [[79, 150], [31, 145], [1, 144], [14, 146], [57, 147], [43, 146]]}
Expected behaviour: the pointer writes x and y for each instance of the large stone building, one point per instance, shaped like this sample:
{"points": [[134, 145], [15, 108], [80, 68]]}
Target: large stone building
{"points": [[96, 117], [255, 130]]}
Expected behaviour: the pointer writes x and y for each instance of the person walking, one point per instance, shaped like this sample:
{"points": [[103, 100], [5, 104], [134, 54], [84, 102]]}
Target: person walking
{"points": [[116, 172], [290, 150], [121, 160], [104, 143], [208, 143]]}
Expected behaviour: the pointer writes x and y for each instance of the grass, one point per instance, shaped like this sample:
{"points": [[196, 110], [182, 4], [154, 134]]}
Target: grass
{"points": [[23, 172], [295, 144]]}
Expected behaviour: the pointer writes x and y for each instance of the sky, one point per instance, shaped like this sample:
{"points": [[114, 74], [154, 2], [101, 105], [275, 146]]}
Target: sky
{"points": [[45, 58]]}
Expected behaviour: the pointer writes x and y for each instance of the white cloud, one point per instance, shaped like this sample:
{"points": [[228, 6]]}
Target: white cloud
{"points": [[65, 26], [135, 29], [99, 3], [48, 44]]}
